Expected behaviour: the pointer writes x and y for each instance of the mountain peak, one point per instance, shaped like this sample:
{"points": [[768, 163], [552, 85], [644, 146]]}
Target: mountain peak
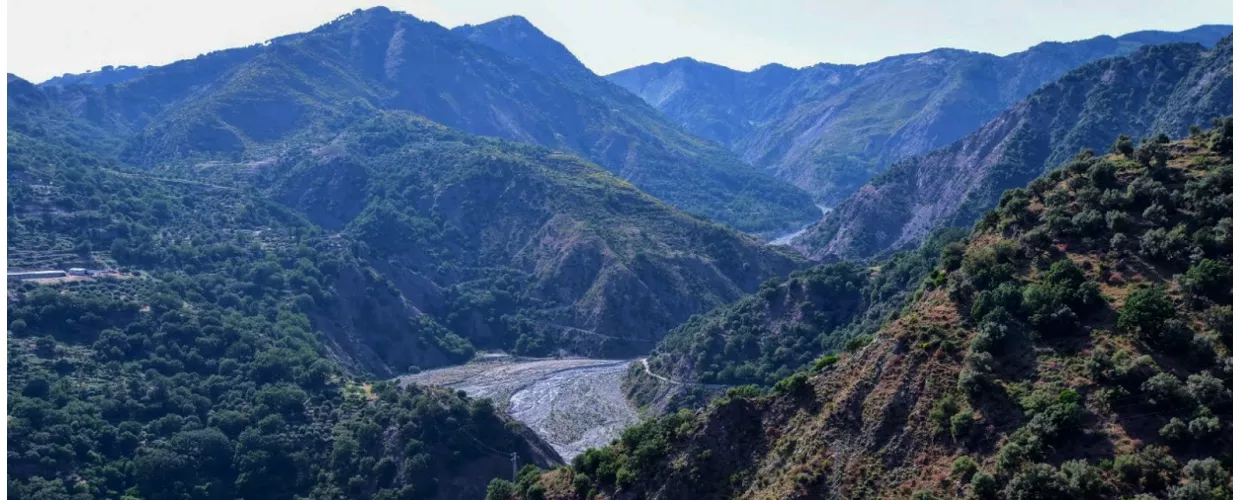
{"points": [[518, 38]]}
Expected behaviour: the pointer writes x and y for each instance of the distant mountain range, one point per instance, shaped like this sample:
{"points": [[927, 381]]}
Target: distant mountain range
{"points": [[1157, 89], [514, 83], [829, 128]]}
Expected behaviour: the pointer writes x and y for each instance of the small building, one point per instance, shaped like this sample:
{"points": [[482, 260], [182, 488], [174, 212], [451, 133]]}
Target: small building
{"points": [[34, 275], [77, 271]]}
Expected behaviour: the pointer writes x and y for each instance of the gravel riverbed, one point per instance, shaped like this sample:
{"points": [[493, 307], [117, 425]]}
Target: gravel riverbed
{"points": [[573, 404]]}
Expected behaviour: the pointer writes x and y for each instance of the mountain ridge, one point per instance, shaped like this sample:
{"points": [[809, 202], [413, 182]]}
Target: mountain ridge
{"points": [[828, 128]]}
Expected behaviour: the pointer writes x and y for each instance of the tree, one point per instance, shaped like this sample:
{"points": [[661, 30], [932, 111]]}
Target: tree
{"points": [[1209, 278], [1122, 146], [1145, 310]]}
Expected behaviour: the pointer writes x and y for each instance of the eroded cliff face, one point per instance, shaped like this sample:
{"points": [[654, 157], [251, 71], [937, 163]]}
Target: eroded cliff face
{"points": [[1167, 89]]}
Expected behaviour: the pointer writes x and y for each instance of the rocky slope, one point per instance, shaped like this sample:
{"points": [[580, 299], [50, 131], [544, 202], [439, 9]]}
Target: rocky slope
{"points": [[249, 103], [1157, 89], [828, 128], [1060, 353], [789, 324], [518, 246]]}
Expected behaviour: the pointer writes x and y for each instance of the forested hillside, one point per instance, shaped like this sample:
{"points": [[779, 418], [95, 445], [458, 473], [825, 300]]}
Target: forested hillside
{"points": [[792, 323], [829, 128], [1158, 89], [1076, 346], [518, 247], [247, 104], [201, 369]]}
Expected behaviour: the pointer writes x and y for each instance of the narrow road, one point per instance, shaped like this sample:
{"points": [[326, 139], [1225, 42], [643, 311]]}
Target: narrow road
{"points": [[646, 366]]}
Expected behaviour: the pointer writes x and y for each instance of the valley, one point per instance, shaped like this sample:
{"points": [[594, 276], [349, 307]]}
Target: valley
{"points": [[389, 259], [786, 238]]}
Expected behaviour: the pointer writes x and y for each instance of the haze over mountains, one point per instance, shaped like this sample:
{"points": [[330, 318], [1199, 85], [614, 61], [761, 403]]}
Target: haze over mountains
{"points": [[1157, 89], [240, 102], [828, 128], [276, 232]]}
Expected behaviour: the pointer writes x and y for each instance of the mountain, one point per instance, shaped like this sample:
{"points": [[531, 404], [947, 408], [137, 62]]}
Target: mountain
{"points": [[250, 103], [829, 128], [230, 350], [107, 75], [1157, 89], [228, 353], [515, 245], [1058, 353], [789, 324]]}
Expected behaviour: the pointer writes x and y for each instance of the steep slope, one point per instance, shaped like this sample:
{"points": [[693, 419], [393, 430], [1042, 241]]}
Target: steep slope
{"points": [[1158, 89], [1060, 353], [218, 359], [304, 88], [829, 128], [514, 245], [789, 324]]}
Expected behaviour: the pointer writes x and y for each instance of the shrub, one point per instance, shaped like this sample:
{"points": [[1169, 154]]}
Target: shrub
{"points": [[1206, 479], [1006, 296], [961, 423], [826, 362], [1208, 390], [964, 467], [1175, 430], [952, 256], [1167, 246], [1123, 146], [1037, 482], [1083, 480], [983, 486], [500, 489], [1145, 310], [1089, 221], [1164, 390], [1209, 278], [1118, 221], [1151, 469]]}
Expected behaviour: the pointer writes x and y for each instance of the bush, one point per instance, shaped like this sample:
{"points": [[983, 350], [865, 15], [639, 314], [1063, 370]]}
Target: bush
{"points": [[1175, 430], [1164, 391], [1123, 146], [964, 467], [1208, 390], [500, 489], [1145, 310], [1083, 480], [1167, 246], [1209, 278], [1037, 482], [983, 486], [1151, 469]]}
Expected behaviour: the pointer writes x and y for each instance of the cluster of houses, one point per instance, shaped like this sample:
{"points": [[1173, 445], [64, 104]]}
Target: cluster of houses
{"points": [[55, 273]]}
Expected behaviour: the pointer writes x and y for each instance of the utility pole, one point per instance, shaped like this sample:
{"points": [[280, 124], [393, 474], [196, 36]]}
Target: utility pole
{"points": [[514, 466]]}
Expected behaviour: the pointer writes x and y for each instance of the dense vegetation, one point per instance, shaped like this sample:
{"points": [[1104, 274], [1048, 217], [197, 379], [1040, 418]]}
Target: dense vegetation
{"points": [[1078, 345], [245, 104], [1157, 89], [203, 375], [232, 354], [828, 128], [789, 324], [518, 247]]}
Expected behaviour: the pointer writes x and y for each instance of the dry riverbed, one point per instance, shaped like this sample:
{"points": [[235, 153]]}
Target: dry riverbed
{"points": [[573, 404]]}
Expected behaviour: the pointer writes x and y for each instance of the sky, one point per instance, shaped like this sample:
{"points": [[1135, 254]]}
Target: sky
{"points": [[50, 37]]}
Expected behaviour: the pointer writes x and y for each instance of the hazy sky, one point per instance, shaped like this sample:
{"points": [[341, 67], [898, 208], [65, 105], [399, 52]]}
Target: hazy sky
{"points": [[50, 37]]}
